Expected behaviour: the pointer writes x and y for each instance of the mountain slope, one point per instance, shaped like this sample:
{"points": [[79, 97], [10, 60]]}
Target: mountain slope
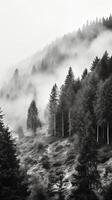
{"points": [[34, 77]]}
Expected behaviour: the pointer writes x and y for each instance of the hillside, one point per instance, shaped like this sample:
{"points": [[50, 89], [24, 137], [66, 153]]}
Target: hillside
{"points": [[34, 76], [40, 155], [59, 105]]}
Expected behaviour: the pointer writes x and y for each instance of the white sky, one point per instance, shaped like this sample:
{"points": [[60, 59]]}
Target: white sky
{"points": [[28, 25]]}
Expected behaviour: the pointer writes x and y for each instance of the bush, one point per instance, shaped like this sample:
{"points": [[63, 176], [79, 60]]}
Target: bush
{"points": [[40, 146], [45, 162], [57, 164], [58, 148], [83, 195]]}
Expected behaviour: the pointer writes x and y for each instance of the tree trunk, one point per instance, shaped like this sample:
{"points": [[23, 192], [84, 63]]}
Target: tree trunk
{"points": [[62, 125], [108, 139], [54, 124], [97, 133], [70, 126], [103, 129]]}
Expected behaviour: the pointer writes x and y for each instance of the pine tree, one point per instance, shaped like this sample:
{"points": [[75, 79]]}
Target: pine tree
{"points": [[53, 103], [110, 66], [15, 81], [108, 192], [95, 63], [67, 97], [88, 102], [34, 70], [16, 74], [12, 181], [61, 113], [104, 106], [85, 73], [102, 67], [33, 121], [86, 178], [84, 118]]}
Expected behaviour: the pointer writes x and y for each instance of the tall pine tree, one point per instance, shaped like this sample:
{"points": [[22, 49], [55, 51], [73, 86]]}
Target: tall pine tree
{"points": [[104, 108], [66, 100], [53, 103], [13, 184], [33, 122]]}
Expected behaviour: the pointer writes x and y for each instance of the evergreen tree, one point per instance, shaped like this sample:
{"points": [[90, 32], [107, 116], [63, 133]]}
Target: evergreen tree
{"points": [[66, 100], [12, 182], [84, 115], [69, 97], [86, 178], [61, 113], [88, 103], [33, 121], [95, 63], [110, 66], [53, 103], [108, 192], [16, 84], [104, 106], [102, 67], [34, 70], [85, 73]]}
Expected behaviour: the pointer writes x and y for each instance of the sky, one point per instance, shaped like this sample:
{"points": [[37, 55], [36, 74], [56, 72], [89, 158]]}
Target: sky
{"points": [[26, 26]]}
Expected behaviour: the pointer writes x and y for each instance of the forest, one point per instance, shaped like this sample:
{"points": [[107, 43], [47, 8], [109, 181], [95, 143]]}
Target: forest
{"points": [[66, 161]]}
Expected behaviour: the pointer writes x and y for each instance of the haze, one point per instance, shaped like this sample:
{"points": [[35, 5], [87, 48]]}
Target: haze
{"points": [[28, 25]]}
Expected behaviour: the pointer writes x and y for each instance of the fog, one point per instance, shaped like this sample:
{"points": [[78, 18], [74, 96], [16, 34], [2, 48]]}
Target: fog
{"points": [[17, 93]]}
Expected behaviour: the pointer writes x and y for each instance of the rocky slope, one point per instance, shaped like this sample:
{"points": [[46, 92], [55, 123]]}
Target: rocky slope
{"points": [[43, 153]]}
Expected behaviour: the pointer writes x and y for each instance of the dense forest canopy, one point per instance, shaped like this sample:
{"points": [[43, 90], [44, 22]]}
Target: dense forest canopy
{"points": [[84, 104]]}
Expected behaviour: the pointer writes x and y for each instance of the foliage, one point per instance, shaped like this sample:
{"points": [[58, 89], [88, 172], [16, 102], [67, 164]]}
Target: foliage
{"points": [[108, 192], [33, 122], [53, 103], [86, 177], [12, 180], [57, 185]]}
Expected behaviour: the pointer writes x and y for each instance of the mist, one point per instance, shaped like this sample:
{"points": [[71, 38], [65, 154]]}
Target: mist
{"points": [[51, 67]]}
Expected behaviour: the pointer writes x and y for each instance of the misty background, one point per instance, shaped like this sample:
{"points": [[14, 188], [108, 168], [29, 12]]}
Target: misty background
{"points": [[39, 39]]}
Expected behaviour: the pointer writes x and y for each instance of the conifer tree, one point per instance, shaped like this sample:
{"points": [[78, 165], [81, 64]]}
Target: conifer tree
{"points": [[110, 66], [66, 102], [12, 181], [69, 93], [102, 67], [61, 113], [84, 115], [33, 122], [34, 70], [88, 103], [85, 73], [95, 63], [104, 106], [53, 103], [108, 192], [86, 178]]}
